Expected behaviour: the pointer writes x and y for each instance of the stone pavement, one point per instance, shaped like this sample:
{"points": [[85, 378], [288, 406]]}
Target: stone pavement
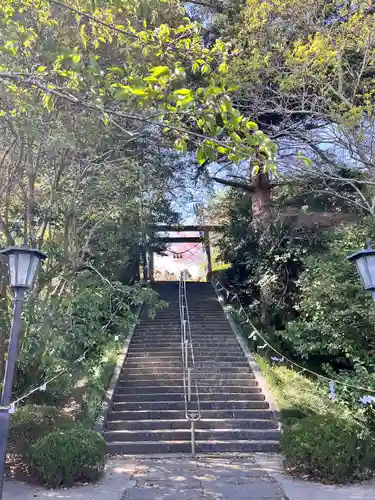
{"points": [[254, 477]]}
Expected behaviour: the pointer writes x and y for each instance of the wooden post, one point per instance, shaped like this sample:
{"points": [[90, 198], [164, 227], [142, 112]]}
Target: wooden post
{"points": [[208, 251]]}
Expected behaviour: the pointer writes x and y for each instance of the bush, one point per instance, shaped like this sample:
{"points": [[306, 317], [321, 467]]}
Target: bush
{"points": [[67, 456], [32, 422], [329, 449]]}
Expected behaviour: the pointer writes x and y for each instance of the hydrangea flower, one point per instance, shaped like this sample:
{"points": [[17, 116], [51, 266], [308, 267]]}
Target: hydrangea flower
{"points": [[366, 400], [332, 390]]}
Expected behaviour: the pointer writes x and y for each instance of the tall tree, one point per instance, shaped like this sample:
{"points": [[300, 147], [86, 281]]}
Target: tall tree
{"points": [[304, 72]]}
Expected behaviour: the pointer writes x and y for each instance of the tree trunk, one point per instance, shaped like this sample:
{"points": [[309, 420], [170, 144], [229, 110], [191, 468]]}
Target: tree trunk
{"points": [[261, 196]]}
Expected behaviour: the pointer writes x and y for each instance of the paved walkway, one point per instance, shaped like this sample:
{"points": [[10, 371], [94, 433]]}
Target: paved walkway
{"points": [[175, 478]]}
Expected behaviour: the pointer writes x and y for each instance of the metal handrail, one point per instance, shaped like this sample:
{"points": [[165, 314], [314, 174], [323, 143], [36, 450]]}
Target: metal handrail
{"points": [[189, 373]]}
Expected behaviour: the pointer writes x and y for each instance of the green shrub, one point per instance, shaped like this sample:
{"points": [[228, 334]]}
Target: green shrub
{"points": [[329, 449], [32, 422], [64, 457]]}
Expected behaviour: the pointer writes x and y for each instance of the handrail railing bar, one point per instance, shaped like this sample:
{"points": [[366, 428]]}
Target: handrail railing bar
{"points": [[188, 364]]}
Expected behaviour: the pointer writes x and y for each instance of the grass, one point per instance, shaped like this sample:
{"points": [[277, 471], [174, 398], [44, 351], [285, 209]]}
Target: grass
{"points": [[297, 395], [92, 396], [322, 439]]}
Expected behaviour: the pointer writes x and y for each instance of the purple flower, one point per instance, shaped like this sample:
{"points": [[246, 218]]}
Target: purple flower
{"points": [[277, 360], [332, 390], [366, 400]]}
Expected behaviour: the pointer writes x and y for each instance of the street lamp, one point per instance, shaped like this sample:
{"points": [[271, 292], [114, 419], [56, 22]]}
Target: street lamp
{"points": [[365, 263], [23, 263]]}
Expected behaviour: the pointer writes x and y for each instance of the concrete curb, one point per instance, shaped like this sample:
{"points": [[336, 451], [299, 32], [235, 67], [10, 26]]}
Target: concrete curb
{"points": [[101, 420], [250, 359]]}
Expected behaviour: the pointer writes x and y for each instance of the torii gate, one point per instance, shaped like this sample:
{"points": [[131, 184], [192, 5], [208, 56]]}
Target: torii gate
{"points": [[204, 230]]}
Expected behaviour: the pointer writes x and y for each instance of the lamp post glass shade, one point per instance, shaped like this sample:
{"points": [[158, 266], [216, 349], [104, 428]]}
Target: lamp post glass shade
{"points": [[23, 264], [365, 263]]}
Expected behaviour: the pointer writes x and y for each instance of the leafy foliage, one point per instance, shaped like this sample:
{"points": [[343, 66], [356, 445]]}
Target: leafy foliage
{"points": [[335, 317], [84, 322], [321, 440], [64, 457], [164, 52], [329, 449], [32, 422]]}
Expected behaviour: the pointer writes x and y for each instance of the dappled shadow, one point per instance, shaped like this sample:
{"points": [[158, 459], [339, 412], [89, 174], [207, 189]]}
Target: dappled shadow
{"points": [[256, 477], [297, 489]]}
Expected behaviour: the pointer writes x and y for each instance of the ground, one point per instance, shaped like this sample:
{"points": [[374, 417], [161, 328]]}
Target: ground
{"points": [[255, 477]]}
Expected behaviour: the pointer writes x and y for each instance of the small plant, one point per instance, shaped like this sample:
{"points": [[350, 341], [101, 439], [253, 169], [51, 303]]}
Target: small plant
{"points": [[32, 422], [65, 457], [330, 449]]}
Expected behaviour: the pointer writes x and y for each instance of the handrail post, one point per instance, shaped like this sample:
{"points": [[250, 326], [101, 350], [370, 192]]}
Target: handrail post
{"points": [[185, 324], [189, 385], [188, 364], [193, 438]]}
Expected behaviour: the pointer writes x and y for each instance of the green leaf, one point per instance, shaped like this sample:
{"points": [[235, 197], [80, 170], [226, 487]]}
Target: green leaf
{"points": [[223, 68], [201, 156], [195, 67], [117, 70], [137, 91], [180, 144], [205, 68], [48, 102], [83, 35], [122, 94], [182, 92], [159, 71], [76, 58], [41, 69], [252, 126], [151, 79], [273, 169], [255, 170], [305, 160]]}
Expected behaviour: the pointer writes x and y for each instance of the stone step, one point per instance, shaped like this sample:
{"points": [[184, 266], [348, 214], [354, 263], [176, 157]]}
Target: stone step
{"points": [[178, 362], [151, 406], [169, 331], [176, 367], [164, 447], [158, 357], [214, 396], [180, 414], [165, 334], [185, 435], [176, 351], [162, 389], [255, 423], [204, 385], [230, 402], [240, 370], [154, 343]]}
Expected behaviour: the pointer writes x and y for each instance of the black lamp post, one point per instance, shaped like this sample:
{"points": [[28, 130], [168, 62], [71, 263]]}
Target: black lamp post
{"points": [[23, 264], [365, 263]]}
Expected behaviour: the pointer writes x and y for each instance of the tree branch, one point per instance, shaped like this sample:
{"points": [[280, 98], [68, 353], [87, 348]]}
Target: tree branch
{"points": [[93, 18], [31, 81], [227, 182]]}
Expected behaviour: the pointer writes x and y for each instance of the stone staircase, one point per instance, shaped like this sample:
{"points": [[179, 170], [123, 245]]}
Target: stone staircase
{"points": [[147, 413]]}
